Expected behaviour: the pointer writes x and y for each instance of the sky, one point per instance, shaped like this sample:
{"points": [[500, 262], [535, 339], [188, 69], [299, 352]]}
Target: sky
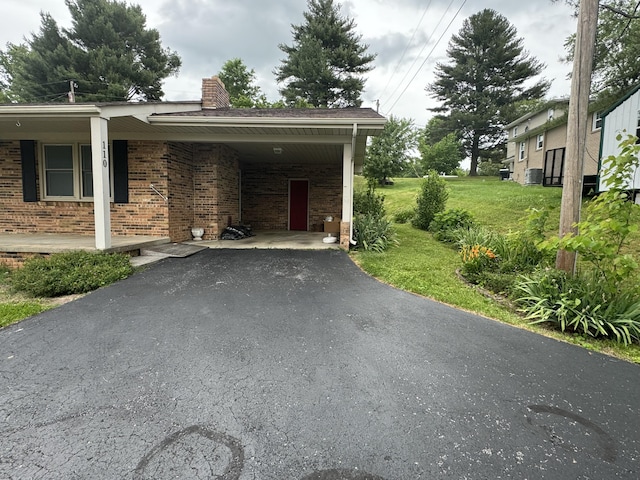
{"points": [[408, 36]]}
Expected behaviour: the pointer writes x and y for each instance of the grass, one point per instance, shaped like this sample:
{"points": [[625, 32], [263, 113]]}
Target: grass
{"points": [[15, 306], [427, 267]]}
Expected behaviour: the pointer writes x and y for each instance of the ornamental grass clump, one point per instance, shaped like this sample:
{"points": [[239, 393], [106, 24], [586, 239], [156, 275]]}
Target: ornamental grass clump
{"points": [[371, 229]]}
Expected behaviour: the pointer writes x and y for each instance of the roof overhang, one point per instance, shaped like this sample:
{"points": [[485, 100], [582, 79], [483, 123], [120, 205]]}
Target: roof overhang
{"points": [[254, 137]]}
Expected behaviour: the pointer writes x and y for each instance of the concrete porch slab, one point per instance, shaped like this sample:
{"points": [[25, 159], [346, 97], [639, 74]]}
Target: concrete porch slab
{"points": [[274, 239], [54, 243]]}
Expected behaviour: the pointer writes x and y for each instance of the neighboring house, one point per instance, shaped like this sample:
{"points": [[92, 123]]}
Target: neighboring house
{"points": [[159, 169], [622, 118], [537, 145]]}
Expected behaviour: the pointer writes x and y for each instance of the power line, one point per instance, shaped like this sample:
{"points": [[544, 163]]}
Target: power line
{"points": [[395, 69], [421, 50], [428, 56]]}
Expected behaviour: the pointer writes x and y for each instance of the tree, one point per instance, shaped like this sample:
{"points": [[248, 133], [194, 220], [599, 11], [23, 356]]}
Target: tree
{"points": [[488, 72], [325, 63], [240, 83], [108, 52], [443, 156], [616, 66], [388, 153]]}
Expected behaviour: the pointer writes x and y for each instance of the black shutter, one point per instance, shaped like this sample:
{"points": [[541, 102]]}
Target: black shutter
{"points": [[120, 171], [29, 169]]}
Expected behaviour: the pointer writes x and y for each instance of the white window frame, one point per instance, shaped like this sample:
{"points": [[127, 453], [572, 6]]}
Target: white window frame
{"points": [[76, 154], [515, 131], [550, 114], [597, 122], [540, 141], [521, 151]]}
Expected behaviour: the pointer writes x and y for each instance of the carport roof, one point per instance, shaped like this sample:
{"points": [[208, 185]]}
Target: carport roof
{"points": [[318, 133]]}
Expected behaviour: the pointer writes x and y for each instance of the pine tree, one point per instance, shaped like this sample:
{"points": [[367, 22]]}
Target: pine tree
{"points": [[109, 53], [486, 75], [325, 63]]}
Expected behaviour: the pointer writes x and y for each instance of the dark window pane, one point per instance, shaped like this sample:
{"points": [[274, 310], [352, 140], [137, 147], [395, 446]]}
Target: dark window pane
{"points": [[60, 183], [58, 157]]}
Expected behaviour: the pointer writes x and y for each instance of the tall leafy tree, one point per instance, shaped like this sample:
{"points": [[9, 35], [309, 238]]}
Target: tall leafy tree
{"points": [[108, 52], [616, 67], [488, 71], [326, 62], [240, 83], [389, 153], [444, 156]]}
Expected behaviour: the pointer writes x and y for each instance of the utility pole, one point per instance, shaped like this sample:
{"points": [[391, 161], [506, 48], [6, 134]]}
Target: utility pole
{"points": [[577, 128]]}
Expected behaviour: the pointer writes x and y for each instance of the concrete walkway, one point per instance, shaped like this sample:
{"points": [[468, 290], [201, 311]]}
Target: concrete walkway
{"points": [[282, 364]]}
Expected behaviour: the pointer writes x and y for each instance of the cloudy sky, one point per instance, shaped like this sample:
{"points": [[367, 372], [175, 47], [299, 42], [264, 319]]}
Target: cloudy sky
{"points": [[408, 36]]}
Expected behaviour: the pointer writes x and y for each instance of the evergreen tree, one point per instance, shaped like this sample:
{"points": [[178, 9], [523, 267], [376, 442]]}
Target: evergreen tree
{"points": [[388, 153], [486, 75], [109, 54], [325, 63]]}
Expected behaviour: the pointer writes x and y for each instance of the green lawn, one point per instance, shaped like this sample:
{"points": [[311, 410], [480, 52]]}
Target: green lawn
{"points": [[426, 267]]}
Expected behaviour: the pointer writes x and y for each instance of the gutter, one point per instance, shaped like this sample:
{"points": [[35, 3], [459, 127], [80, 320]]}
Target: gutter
{"points": [[353, 156]]}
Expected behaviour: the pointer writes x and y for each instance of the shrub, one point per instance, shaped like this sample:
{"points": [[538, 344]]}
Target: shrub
{"points": [[445, 225], [431, 200], [404, 216], [70, 272], [489, 169], [609, 220], [582, 304], [368, 202], [373, 233]]}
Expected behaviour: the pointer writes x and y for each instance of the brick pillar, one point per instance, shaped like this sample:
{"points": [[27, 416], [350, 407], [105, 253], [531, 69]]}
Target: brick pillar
{"points": [[214, 95], [345, 231]]}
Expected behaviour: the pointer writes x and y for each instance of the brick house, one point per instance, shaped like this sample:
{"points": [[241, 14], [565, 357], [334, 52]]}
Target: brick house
{"points": [[537, 144], [159, 169]]}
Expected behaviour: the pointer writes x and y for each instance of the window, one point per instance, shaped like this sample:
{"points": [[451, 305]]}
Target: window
{"points": [[515, 132], [550, 113], [521, 152], [540, 141], [597, 121], [68, 172], [58, 171], [638, 128]]}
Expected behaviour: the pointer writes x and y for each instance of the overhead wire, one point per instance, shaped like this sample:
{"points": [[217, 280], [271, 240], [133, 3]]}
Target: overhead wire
{"points": [[406, 48], [428, 56], [426, 43]]}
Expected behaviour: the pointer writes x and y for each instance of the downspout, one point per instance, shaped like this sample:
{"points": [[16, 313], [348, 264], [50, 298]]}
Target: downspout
{"points": [[353, 156]]}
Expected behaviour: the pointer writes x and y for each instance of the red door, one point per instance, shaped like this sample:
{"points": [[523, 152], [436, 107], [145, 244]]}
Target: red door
{"points": [[298, 204]]}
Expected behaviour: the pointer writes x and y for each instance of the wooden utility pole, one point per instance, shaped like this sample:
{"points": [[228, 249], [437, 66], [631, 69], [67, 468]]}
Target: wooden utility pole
{"points": [[577, 126]]}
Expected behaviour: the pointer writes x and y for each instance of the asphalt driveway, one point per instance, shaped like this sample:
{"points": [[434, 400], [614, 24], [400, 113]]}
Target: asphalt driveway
{"points": [[273, 364]]}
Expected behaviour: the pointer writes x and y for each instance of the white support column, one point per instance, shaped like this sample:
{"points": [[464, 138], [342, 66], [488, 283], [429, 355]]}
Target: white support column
{"points": [[347, 183], [100, 164]]}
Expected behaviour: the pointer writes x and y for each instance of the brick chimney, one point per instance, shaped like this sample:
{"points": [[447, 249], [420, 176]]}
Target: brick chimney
{"points": [[214, 95]]}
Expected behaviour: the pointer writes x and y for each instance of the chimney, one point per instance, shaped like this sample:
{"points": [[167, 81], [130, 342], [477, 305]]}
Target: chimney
{"points": [[214, 95]]}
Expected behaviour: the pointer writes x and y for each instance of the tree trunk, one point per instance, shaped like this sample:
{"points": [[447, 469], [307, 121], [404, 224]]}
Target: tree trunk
{"points": [[475, 153], [577, 128]]}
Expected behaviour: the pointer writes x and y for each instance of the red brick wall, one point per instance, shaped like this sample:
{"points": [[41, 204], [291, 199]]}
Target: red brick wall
{"points": [[145, 214], [180, 169], [215, 189], [265, 194]]}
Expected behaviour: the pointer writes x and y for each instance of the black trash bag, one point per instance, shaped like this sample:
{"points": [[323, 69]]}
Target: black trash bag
{"points": [[236, 232]]}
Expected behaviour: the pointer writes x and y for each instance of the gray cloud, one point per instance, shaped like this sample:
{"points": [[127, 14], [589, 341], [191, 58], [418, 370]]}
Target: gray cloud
{"points": [[206, 33]]}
